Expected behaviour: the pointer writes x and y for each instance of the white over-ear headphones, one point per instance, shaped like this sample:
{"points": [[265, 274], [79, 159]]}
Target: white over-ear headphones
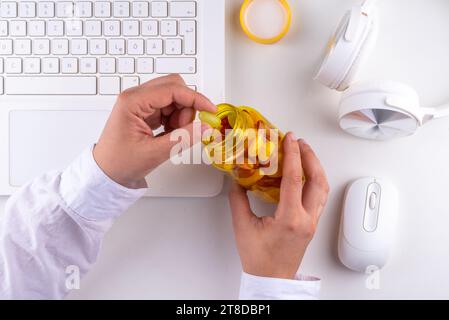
{"points": [[376, 110]]}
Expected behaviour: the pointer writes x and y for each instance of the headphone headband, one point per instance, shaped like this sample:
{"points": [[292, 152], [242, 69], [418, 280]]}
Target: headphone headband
{"points": [[376, 110]]}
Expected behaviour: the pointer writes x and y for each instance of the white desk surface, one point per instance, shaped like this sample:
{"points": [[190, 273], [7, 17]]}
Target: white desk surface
{"points": [[184, 248]]}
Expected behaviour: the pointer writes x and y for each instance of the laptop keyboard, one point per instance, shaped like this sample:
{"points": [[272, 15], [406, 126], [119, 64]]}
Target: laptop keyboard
{"points": [[93, 47]]}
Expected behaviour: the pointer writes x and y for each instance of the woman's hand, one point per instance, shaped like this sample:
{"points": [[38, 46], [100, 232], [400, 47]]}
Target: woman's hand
{"points": [[127, 150], [275, 246]]}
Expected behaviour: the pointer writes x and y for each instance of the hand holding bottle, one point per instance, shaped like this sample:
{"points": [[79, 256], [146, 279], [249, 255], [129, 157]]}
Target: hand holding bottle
{"points": [[128, 151], [274, 246]]}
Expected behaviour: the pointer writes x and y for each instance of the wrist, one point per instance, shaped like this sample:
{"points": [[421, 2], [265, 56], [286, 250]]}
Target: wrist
{"points": [[84, 185], [278, 274], [115, 174]]}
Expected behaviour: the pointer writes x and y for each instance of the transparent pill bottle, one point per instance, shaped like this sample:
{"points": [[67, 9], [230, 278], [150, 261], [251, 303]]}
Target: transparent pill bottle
{"points": [[247, 146]]}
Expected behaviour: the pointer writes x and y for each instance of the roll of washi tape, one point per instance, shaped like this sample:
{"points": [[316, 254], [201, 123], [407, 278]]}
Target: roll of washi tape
{"points": [[265, 21]]}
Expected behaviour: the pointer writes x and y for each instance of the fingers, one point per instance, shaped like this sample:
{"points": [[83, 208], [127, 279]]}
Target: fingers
{"points": [[155, 121], [180, 118], [162, 93], [316, 188], [240, 207], [171, 78], [292, 177], [171, 144]]}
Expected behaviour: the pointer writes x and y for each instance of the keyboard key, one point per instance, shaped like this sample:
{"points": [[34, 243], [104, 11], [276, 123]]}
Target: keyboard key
{"points": [[121, 9], [69, 65], [154, 46], [140, 9], [22, 46], [159, 9], [130, 28], [145, 65], [27, 9], [36, 28], [5, 46], [187, 29], [78, 46], [13, 65], [50, 65], [129, 82], [176, 65], [109, 85], [41, 46], [92, 28], [46, 9], [83, 9], [55, 28], [64, 9], [1, 85], [51, 85], [116, 46], [112, 28], [18, 28], [88, 65], [173, 46], [125, 65], [3, 28], [102, 9], [182, 9], [60, 46], [130, 39], [32, 65], [8, 9], [74, 28], [135, 46], [97, 46], [169, 28], [107, 65], [149, 28]]}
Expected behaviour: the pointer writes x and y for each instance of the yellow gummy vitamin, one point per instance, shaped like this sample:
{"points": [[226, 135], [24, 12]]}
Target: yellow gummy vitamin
{"points": [[210, 119], [261, 152]]}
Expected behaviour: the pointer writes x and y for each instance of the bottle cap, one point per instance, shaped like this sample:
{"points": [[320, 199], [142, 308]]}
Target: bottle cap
{"points": [[265, 21]]}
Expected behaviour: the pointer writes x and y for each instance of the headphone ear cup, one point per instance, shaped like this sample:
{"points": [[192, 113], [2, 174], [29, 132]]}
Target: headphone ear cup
{"points": [[361, 57], [387, 87], [353, 40], [380, 110]]}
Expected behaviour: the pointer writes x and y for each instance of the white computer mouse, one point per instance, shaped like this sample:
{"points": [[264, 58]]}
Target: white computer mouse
{"points": [[368, 224]]}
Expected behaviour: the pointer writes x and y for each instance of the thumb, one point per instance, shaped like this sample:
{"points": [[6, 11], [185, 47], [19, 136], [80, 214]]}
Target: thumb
{"points": [[240, 207], [173, 143]]}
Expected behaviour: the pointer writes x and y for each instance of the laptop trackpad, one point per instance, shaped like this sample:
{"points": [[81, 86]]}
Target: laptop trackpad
{"points": [[41, 141]]}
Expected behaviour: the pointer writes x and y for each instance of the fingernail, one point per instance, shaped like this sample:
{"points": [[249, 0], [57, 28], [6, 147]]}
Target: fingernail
{"points": [[213, 105], [302, 141], [292, 136]]}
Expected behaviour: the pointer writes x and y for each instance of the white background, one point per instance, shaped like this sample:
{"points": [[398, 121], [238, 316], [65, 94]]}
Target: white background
{"points": [[184, 248]]}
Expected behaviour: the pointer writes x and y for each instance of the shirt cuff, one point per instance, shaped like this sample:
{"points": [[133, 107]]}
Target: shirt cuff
{"points": [[260, 288], [89, 192]]}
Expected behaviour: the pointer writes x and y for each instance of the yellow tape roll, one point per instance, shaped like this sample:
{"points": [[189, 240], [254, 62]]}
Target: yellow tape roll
{"points": [[245, 12]]}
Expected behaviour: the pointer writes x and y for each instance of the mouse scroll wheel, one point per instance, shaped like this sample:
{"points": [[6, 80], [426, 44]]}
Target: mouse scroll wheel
{"points": [[372, 200]]}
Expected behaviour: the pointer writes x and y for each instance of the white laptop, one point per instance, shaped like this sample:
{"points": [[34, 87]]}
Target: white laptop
{"points": [[62, 64]]}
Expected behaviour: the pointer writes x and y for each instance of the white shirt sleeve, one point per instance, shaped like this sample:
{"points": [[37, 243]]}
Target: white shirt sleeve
{"points": [[260, 288], [55, 225]]}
